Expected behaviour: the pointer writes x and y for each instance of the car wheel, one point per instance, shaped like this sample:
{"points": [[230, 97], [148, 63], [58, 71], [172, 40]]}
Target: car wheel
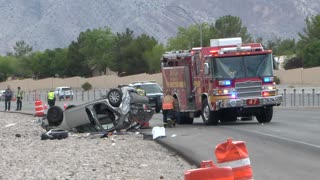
{"points": [[70, 106], [115, 97], [55, 115]]}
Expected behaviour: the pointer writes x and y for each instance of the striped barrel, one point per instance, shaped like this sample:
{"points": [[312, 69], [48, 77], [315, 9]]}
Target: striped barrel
{"points": [[39, 108], [209, 171], [234, 154]]}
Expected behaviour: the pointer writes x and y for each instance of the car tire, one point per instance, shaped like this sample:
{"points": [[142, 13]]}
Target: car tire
{"points": [[114, 97], [55, 115]]}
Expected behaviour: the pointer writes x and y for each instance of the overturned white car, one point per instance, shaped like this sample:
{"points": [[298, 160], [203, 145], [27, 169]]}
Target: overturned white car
{"points": [[121, 108]]}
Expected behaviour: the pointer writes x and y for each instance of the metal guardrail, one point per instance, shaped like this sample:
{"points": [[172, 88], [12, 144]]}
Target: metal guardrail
{"points": [[300, 97], [292, 97]]}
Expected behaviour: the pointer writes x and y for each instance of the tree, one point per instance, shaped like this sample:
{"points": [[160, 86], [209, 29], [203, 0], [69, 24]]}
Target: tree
{"points": [[189, 37], [97, 46], [21, 49], [153, 58], [6, 67], [121, 43], [308, 45], [281, 47], [230, 26]]}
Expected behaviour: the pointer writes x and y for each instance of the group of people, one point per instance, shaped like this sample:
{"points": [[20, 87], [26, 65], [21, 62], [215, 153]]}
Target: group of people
{"points": [[8, 95]]}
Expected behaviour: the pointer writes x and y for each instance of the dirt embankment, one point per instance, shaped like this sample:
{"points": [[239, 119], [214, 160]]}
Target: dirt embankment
{"points": [[25, 156]]}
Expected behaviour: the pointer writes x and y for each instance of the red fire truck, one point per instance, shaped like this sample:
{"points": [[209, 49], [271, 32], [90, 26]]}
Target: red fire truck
{"points": [[224, 82]]}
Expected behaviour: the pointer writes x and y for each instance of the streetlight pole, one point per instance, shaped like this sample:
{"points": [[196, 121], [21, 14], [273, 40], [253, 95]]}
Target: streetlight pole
{"points": [[200, 28]]}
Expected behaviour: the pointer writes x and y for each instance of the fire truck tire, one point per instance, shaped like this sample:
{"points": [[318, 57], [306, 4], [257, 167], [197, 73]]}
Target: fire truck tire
{"points": [[265, 115], [209, 117]]}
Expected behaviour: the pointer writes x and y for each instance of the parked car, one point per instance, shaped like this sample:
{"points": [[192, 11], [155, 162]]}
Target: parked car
{"points": [[2, 95], [63, 93], [121, 108], [153, 92]]}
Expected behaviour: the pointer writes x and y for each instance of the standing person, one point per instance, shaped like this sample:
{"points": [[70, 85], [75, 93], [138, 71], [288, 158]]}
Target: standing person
{"points": [[19, 99], [51, 98], [7, 98], [167, 108], [140, 91]]}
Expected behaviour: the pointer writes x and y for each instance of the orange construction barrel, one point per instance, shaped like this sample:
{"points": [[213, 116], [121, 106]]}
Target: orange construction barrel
{"points": [[39, 108], [209, 171], [234, 154]]}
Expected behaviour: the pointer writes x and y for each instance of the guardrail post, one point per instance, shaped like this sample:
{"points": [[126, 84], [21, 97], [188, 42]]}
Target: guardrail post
{"points": [[285, 97], [82, 94], [294, 97], [88, 95], [313, 97], [302, 97]]}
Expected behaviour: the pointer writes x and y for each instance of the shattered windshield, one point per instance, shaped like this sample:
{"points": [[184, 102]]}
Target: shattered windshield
{"points": [[242, 66]]}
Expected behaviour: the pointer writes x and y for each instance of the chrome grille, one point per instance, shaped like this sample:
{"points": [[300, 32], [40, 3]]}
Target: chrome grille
{"points": [[248, 89]]}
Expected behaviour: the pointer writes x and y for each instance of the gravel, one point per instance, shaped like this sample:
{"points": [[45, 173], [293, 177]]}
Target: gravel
{"points": [[81, 156]]}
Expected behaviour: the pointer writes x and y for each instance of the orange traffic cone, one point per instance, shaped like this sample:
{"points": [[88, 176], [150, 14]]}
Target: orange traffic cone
{"points": [[209, 171], [235, 155], [65, 106]]}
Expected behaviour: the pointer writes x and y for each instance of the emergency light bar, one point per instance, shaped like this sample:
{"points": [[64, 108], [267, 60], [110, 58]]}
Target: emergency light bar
{"points": [[225, 42], [235, 49], [175, 54]]}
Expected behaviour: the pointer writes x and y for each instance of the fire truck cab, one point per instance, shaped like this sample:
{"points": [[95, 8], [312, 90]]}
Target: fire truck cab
{"points": [[221, 83]]}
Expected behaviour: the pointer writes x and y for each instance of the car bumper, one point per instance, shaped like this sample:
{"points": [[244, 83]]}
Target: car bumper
{"points": [[249, 102]]}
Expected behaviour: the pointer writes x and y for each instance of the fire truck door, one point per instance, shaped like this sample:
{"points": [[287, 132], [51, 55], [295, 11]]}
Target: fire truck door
{"points": [[196, 80]]}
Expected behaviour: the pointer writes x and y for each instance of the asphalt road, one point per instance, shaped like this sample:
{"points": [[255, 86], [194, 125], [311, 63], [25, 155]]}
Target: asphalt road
{"points": [[286, 148]]}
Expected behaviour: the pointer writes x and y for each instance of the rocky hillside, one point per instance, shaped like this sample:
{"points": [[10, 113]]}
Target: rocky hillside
{"points": [[55, 23]]}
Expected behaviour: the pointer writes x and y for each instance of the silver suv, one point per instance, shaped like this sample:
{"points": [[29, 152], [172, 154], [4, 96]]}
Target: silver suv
{"points": [[153, 92], [64, 92]]}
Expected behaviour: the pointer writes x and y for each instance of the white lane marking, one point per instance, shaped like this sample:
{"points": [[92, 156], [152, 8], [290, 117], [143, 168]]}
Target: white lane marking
{"points": [[274, 136]]}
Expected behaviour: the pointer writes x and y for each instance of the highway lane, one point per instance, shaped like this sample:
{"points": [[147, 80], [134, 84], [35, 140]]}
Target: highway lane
{"points": [[286, 148]]}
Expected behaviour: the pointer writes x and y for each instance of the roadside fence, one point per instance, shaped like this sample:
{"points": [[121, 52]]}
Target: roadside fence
{"points": [[300, 97], [292, 97]]}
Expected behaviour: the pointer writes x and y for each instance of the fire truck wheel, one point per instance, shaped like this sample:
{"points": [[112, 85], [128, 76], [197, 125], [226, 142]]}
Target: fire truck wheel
{"points": [[265, 115], [209, 117]]}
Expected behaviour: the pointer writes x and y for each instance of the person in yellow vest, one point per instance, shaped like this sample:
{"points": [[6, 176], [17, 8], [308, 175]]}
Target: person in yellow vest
{"points": [[19, 99], [51, 98], [140, 91], [168, 107]]}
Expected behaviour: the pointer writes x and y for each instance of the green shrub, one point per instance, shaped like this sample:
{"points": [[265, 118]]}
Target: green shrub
{"points": [[276, 80], [86, 86]]}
